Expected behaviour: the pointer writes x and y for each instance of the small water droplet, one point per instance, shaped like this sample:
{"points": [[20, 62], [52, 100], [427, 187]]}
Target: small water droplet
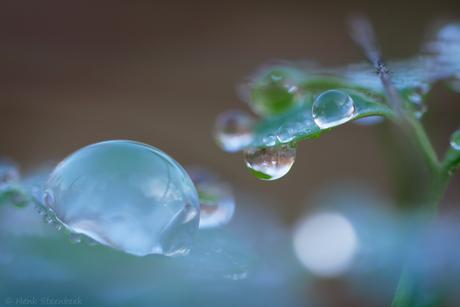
{"points": [[333, 108], [74, 238], [91, 242], [39, 209], [274, 91], [233, 130], [285, 134], [46, 219], [55, 225], [270, 140], [217, 203], [270, 163], [292, 145], [9, 173], [455, 140]]}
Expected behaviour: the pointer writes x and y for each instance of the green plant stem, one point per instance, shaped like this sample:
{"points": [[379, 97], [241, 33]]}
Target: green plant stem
{"points": [[439, 177]]}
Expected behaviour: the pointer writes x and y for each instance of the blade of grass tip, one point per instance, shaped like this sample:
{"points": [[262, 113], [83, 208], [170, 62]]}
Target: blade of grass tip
{"points": [[362, 33]]}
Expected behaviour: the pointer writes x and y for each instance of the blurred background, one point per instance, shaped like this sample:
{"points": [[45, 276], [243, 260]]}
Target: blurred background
{"points": [[159, 72]]}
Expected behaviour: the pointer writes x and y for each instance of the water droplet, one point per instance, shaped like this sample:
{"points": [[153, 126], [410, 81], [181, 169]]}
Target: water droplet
{"points": [[46, 219], [455, 140], [332, 108], [9, 173], [217, 203], [274, 91], [74, 238], [55, 225], [19, 200], [40, 210], [270, 140], [114, 192], [285, 134], [270, 163], [292, 145], [233, 130], [91, 242]]}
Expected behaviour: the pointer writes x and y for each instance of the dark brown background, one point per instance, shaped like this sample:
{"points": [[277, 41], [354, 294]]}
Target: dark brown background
{"points": [[74, 73]]}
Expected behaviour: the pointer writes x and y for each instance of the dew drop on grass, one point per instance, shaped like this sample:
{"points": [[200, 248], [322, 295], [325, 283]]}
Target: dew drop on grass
{"points": [[46, 219], [74, 238], [455, 140], [233, 130], [127, 195], [274, 92], [333, 108], [270, 140], [270, 163], [217, 202], [55, 225], [285, 134]]}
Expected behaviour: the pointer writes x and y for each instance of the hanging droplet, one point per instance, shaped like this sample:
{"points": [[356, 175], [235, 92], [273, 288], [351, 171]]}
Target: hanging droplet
{"points": [[270, 163], [9, 173], [127, 195], [274, 91], [74, 238], [40, 210], [455, 140], [270, 140], [55, 225], [333, 108], [217, 203], [285, 134], [234, 130]]}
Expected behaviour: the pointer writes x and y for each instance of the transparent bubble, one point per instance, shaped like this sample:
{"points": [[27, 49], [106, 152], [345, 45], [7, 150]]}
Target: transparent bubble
{"points": [[127, 195], [333, 108], [455, 140], [285, 134], [270, 163], [217, 203], [274, 91], [234, 130], [270, 140], [9, 173]]}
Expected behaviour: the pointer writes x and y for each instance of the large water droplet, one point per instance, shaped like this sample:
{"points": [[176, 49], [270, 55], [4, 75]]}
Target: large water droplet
{"points": [[127, 195], [274, 91], [455, 140], [233, 130], [332, 108], [285, 134], [270, 163], [217, 203], [9, 173]]}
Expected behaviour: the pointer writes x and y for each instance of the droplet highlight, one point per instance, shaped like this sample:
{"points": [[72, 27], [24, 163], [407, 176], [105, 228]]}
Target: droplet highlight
{"points": [[270, 163], [270, 140], [233, 130], [332, 108]]}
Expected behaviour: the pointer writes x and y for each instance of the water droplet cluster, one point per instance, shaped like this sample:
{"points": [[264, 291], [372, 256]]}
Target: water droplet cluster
{"points": [[217, 203], [127, 195]]}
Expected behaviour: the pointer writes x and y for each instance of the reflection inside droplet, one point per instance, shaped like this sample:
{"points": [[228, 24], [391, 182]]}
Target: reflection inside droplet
{"points": [[233, 130], [270, 163]]}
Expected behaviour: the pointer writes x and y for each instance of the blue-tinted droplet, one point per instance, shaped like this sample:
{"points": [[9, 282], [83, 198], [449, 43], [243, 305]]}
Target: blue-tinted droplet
{"points": [[127, 195], [217, 203], [455, 140], [234, 130], [270, 163], [270, 140], [285, 134], [332, 108]]}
